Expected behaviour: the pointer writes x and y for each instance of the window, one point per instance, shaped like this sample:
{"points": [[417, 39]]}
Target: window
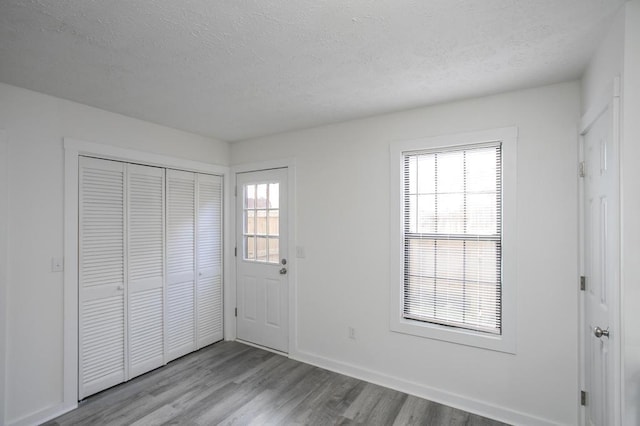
{"points": [[452, 238], [453, 214], [261, 217]]}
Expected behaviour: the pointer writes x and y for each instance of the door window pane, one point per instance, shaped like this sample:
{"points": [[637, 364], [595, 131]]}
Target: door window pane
{"points": [[274, 195], [250, 196], [274, 223], [261, 196], [249, 248], [250, 222], [261, 218], [274, 250], [261, 222], [261, 249]]}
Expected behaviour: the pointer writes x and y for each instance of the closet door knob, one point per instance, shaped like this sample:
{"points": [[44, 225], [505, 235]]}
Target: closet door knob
{"points": [[598, 332]]}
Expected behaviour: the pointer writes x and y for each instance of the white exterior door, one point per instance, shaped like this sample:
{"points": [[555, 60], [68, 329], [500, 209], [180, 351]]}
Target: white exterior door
{"points": [[601, 269], [261, 261]]}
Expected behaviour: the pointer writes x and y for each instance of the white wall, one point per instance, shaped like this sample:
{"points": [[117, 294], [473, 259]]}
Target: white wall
{"points": [[605, 64], [35, 126], [343, 223], [630, 179]]}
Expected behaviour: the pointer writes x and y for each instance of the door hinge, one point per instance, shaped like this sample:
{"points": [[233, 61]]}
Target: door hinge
{"points": [[583, 398], [236, 312], [582, 169], [583, 283], [235, 251], [235, 191]]}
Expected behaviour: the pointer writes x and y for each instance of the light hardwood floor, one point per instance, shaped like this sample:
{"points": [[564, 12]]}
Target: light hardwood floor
{"points": [[231, 383]]}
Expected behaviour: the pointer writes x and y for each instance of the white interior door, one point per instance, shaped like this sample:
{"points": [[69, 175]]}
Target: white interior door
{"points": [[209, 259], [261, 261], [601, 264], [145, 268], [180, 299], [101, 274], [136, 311]]}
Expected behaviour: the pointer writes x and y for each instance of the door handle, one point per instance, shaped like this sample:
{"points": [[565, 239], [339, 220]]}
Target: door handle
{"points": [[283, 271], [598, 332]]}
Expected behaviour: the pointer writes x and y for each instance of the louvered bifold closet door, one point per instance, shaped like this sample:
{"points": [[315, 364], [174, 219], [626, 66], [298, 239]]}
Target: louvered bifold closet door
{"points": [[145, 193], [180, 328], [209, 259], [101, 266]]}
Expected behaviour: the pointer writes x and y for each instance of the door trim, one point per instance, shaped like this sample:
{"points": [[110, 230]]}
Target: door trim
{"points": [[609, 98], [73, 149], [290, 165]]}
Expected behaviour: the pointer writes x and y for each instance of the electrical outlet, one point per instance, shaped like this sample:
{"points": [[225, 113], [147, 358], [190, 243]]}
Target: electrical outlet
{"points": [[351, 333]]}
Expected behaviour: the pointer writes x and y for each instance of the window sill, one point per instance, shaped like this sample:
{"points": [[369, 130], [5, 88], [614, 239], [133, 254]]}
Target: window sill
{"points": [[499, 343]]}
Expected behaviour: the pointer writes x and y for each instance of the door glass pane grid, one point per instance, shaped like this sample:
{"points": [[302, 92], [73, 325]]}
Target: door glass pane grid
{"points": [[261, 222]]}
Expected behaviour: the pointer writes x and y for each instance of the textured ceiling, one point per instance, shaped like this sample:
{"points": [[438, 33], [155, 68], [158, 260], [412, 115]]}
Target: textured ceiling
{"points": [[235, 69]]}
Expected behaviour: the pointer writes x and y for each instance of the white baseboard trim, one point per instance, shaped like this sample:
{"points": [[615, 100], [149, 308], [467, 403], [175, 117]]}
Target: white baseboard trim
{"points": [[42, 416], [264, 348], [453, 400]]}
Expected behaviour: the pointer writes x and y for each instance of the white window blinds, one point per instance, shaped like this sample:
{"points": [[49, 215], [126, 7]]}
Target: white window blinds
{"points": [[452, 236]]}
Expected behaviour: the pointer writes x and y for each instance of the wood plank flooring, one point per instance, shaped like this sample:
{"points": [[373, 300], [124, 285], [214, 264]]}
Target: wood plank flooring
{"points": [[229, 383]]}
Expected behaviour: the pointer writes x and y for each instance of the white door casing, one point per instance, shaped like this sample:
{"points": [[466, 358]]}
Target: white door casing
{"points": [[601, 263], [262, 258]]}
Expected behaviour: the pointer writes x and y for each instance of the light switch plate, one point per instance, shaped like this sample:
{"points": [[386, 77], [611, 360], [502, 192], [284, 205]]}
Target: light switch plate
{"points": [[300, 254], [57, 265]]}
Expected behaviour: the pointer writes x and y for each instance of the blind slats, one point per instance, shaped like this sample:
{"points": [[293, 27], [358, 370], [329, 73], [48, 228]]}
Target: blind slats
{"points": [[452, 237]]}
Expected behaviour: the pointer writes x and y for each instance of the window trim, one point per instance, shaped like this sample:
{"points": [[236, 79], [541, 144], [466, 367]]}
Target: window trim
{"points": [[506, 342]]}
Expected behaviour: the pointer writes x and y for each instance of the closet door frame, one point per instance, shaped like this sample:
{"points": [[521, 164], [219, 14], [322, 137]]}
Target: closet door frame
{"points": [[73, 149]]}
